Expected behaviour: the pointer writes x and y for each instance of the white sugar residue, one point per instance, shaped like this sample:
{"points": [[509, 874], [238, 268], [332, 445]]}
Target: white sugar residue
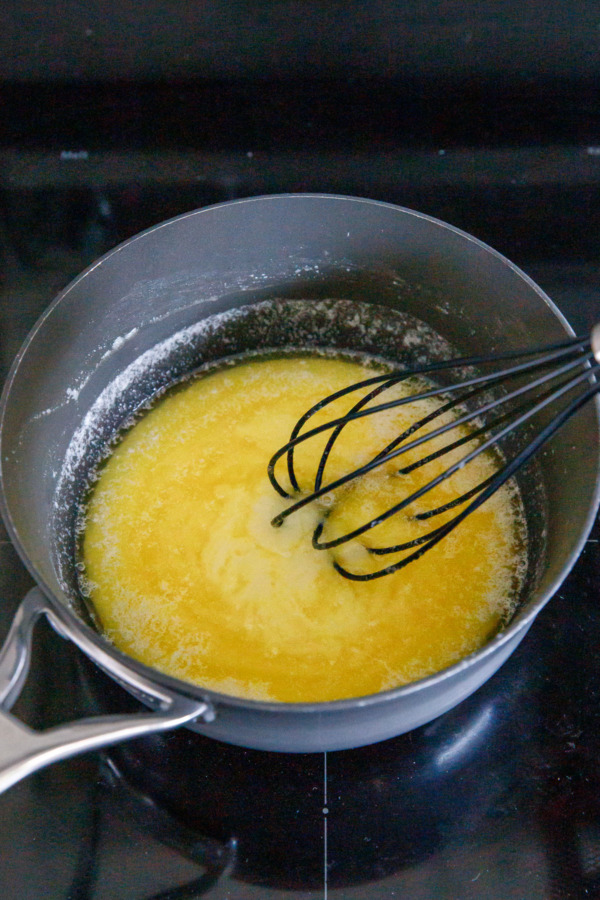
{"points": [[118, 343], [330, 326], [71, 395], [365, 320], [90, 427], [73, 392], [46, 412], [167, 315]]}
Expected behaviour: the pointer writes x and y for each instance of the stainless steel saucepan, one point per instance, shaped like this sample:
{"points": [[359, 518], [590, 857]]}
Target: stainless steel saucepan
{"points": [[195, 288]]}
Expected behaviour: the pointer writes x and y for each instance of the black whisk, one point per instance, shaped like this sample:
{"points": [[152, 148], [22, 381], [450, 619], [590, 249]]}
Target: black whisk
{"points": [[553, 372]]}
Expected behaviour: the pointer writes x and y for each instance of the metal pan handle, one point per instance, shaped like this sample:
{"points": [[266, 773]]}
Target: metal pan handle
{"points": [[24, 751]]}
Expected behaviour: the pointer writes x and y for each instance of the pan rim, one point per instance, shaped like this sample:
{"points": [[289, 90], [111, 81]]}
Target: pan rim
{"points": [[516, 628]]}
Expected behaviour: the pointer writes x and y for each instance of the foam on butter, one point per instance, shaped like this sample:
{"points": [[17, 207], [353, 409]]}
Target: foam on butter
{"points": [[187, 574]]}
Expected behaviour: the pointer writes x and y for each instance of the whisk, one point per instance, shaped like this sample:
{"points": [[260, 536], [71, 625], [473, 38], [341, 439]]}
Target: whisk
{"points": [[552, 373]]}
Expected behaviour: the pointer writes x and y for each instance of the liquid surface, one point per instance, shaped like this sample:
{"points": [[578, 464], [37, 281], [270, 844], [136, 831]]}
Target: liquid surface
{"points": [[187, 574]]}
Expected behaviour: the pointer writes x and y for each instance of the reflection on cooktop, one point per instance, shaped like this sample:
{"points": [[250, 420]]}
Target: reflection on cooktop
{"points": [[503, 789], [384, 808]]}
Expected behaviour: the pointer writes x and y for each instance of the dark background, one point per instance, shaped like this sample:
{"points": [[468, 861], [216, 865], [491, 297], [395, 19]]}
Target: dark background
{"points": [[117, 115], [238, 39]]}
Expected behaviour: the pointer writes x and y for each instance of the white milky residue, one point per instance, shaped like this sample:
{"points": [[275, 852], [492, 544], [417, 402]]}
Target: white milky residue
{"points": [[375, 332], [140, 367], [364, 320], [119, 342]]}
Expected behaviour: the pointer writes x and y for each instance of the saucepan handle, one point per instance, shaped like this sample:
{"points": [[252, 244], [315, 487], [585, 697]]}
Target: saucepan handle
{"points": [[24, 751]]}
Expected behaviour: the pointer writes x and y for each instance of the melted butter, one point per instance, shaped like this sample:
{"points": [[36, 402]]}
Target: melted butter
{"points": [[187, 574]]}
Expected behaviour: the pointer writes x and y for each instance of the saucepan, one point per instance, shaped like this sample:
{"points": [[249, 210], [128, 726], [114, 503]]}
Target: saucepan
{"points": [[204, 285]]}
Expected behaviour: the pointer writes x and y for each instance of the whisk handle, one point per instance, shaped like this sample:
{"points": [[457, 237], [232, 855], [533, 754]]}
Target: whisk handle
{"points": [[595, 341]]}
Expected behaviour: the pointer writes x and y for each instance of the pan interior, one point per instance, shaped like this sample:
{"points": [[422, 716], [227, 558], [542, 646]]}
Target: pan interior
{"points": [[279, 326]]}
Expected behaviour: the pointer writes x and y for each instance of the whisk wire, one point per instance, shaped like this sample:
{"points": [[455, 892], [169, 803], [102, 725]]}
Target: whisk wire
{"points": [[391, 378], [417, 442], [560, 359], [557, 351], [338, 429], [484, 428], [499, 479], [420, 492]]}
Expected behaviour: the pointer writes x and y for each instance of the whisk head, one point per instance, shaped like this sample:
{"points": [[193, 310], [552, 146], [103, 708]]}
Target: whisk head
{"points": [[472, 418]]}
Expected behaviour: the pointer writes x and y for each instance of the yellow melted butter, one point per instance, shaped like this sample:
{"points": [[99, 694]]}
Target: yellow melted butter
{"points": [[187, 574]]}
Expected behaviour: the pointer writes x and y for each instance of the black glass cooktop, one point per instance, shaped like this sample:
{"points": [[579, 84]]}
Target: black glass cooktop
{"points": [[497, 799]]}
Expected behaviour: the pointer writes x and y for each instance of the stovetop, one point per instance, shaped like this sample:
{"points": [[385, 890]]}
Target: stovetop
{"points": [[497, 799]]}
